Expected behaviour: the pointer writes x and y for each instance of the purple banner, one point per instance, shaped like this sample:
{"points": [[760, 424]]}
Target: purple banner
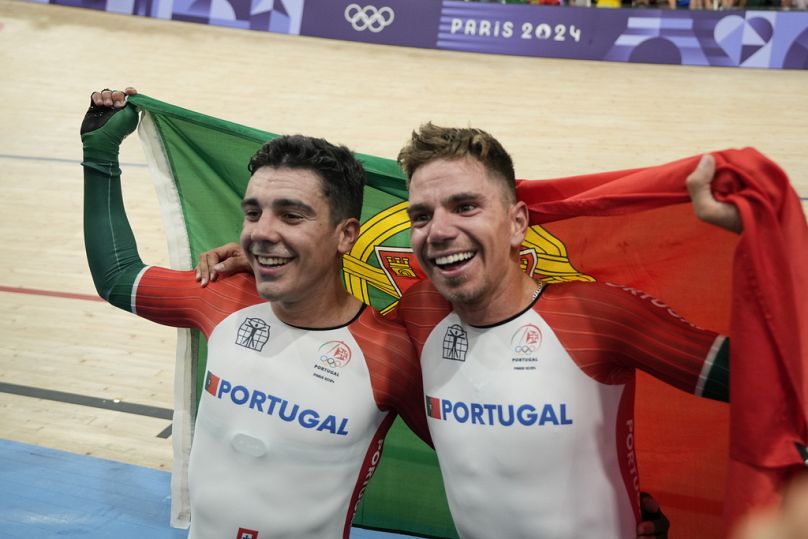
{"points": [[717, 38], [759, 39], [281, 16], [409, 23]]}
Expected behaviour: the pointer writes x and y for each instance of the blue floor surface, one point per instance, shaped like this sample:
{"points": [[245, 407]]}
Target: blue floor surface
{"points": [[46, 493]]}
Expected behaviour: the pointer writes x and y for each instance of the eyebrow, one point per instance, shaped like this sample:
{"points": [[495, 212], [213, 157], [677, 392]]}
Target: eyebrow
{"points": [[416, 208], [457, 198], [281, 203], [463, 197]]}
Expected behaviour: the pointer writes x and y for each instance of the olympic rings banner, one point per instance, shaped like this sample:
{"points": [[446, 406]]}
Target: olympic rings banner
{"points": [[758, 39]]}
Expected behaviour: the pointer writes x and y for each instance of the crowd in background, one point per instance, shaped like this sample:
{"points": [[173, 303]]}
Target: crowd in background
{"points": [[667, 4]]}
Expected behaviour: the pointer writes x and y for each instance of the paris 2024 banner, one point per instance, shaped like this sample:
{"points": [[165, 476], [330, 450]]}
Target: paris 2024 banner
{"points": [[734, 38]]}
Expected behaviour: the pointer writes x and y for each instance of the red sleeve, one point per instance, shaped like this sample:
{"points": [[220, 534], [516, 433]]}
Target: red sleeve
{"points": [[395, 372], [420, 309], [610, 330], [174, 298]]}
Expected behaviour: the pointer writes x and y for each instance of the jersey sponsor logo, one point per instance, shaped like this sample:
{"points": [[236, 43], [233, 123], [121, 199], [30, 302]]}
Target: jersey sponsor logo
{"points": [[501, 415], [274, 406], [244, 533], [525, 344], [253, 334], [455, 343]]}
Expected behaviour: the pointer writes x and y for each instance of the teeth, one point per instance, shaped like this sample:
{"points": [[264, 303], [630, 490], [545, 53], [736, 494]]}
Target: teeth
{"points": [[451, 259], [271, 260]]}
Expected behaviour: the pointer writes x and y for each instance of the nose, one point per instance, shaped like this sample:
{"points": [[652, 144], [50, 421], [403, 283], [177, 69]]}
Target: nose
{"points": [[441, 227], [264, 229]]}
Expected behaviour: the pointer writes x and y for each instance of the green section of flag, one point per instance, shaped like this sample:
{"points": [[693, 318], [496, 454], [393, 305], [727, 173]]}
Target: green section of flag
{"points": [[208, 160]]}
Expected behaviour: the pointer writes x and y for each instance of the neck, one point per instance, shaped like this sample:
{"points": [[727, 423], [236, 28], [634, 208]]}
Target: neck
{"points": [[513, 296], [329, 307]]}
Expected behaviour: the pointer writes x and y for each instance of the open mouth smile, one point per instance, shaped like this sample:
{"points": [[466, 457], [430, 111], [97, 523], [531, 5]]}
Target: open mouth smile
{"points": [[272, 261], [454, 260]]}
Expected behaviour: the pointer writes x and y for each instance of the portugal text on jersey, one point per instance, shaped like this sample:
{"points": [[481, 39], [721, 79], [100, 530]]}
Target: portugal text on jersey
{"points": [[504, 415], [269, 404]]}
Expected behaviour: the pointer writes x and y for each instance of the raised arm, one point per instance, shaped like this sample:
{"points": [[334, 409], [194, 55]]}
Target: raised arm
{"points": [[165, 296], [111, 248]]}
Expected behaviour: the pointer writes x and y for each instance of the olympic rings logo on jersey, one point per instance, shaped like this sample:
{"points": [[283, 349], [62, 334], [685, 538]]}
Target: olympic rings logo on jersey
{"points": [[526, 340], [369, 17], [329, 360], [335, 354]]}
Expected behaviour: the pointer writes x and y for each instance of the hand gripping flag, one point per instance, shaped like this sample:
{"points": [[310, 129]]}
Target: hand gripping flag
{"points": [[634, 227]]}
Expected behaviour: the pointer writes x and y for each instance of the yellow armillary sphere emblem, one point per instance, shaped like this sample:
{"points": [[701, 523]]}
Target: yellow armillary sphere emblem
{"points": [[543, 256]]}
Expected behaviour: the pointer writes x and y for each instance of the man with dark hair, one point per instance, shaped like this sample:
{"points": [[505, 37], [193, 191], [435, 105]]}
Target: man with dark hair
{"points": [[342, 176], [303, 380]]}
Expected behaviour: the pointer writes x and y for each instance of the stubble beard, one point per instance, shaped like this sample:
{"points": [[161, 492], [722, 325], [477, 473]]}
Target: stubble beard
{"points": [[266, 288], [454, 291]]}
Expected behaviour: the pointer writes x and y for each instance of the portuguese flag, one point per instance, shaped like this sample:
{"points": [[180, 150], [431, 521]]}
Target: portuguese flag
{"points": [[700, 459], [212, 384], [433, 407]]}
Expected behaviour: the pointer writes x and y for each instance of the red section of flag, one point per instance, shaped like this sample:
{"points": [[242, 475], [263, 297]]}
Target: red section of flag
{"points": [[212, 384], [705, 273]]}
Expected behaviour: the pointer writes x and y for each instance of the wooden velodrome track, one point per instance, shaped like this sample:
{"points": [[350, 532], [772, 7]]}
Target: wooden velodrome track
{"points": [[556, 117]]}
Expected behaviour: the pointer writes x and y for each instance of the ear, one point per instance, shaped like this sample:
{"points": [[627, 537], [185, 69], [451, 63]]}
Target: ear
{"points": [[348, 231], [520, 220]]}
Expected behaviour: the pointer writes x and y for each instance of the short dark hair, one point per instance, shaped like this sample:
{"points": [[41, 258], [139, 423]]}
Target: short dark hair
{"points": [[342, 177], [432, 142]]}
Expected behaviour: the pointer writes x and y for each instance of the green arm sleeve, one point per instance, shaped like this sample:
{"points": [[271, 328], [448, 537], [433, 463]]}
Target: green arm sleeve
{"points": [[108, 240]]}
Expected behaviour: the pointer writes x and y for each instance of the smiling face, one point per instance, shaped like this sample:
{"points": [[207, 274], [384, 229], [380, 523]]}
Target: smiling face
{"points": [[466, 233], [288, 237]]}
